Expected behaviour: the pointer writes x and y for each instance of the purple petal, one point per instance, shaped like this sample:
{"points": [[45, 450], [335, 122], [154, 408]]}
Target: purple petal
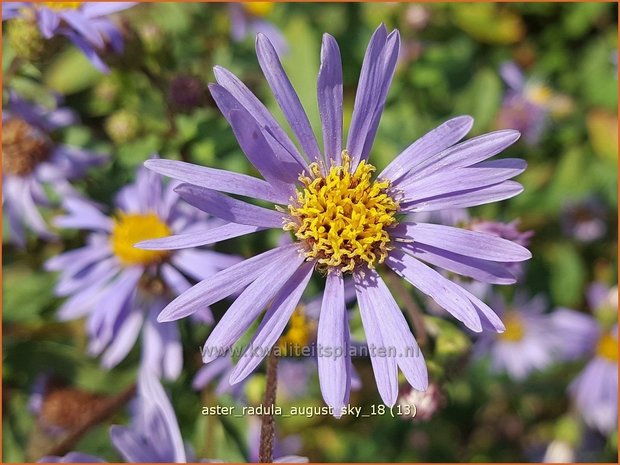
{"points": [[374, 82], [219, 180], [124, 340], [464, 199], [481, 270], [251, 303], [329, 95], [448, 295], [83, 26], [48, 22], [395, 329], [228, 208], [83, 215], [383, 365], [431, 143], [210, 371], [88, 50], [273, 323], [224, 283], [95, 9], [462, 241], [445, 182], [512, 75], [198, 238], [334, 377], [162, 352], [175, 280], [256, 108], [466, 153], [286, 96]]}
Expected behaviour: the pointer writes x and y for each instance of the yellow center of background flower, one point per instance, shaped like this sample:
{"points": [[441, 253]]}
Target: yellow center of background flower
{"points": [[539, 94], [607, 347], [342, 218], [129, 229], [58, 6], [514, 327], [258, 8], [298, 334]]}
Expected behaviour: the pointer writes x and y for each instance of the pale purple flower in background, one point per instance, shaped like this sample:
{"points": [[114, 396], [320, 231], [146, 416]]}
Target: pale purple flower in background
{"points": [[153, 436], [584, 220], [32, 162], [283, 447], [86, 24], [122, 289], [248, 19], [358, 228], [595, 390], [532, 341], [526, 104]]}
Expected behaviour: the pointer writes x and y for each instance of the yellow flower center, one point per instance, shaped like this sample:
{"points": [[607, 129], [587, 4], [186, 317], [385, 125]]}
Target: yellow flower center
{"points": [[607, 347], [514, 327], [131, 228], [343, 218], [258, 8], [59, 6], [23, 147], [298, 335], [539, 94]]}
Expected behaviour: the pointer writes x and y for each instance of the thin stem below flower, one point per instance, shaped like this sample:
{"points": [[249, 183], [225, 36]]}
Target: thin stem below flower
{"points": [[267, 430]]}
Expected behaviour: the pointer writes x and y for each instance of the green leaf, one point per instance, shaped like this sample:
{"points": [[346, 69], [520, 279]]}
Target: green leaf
{"points": [[71, 72], [568, 274]]}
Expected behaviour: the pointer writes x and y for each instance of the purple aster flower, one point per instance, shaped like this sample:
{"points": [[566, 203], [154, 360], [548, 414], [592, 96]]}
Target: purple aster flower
{"points": [[526, 104], [531, 341], [122, 289], [344, 221], [32, 161], [595, 390], [84, 23], [247, 20]]}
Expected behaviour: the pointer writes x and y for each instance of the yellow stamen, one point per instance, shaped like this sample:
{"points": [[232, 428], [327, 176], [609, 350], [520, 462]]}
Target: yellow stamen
{"points": [[59, 6], [132, 228], [607, 347], [514, 327], [343, 218], [298, 335], [258, 8]]}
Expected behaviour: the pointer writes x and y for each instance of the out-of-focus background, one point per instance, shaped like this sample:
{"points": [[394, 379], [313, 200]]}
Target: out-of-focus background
{"points": [[547, 69]]}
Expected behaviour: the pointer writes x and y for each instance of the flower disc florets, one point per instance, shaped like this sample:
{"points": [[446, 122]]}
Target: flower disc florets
{"points": [[23, 147], [343, 218], [129, 229]]}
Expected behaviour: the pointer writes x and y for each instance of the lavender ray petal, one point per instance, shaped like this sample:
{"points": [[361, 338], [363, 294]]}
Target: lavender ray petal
{"points": [[330, 99], [431, 143], [273, 323], [198, 238], [463, 241], [286, 96], [331, 336], [228, 208], [224, 283], [443, 291], [250, 303], [219, 180], [384, 366]]}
